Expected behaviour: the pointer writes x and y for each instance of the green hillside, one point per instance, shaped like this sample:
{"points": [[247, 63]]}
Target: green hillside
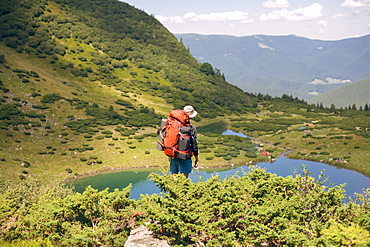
{"points": [[84, 84], [355, 93]]}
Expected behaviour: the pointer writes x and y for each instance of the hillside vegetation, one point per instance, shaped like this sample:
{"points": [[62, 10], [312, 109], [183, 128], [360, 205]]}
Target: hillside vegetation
{"points": [[88, 87], [252, 209], [352, 95], [82, 93], [83, 88]]}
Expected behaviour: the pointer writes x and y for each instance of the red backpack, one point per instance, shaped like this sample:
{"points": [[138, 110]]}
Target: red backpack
{"points": [[175, 137]]}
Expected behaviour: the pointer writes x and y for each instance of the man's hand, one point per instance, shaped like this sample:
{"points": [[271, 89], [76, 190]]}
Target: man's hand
{"points": [[196, 163]]}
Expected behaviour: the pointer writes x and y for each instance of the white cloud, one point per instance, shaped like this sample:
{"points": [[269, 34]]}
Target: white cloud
{"points": [[212, 17], [311, 12], [276, 4], [355, 4], [323, 23], [339, 16]]}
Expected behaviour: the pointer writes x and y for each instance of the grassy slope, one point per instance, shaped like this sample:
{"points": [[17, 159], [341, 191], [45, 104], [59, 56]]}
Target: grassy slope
{"points": [[354, 93], [26, 144], [320, 142], [17, 146], [21, 147]]}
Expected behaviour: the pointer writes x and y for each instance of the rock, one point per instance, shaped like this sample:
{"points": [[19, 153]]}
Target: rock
{"points": [[143, 237]]}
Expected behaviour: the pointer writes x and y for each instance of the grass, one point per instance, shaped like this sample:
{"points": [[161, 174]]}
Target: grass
{"points": [[59, 153], [326, 145]]}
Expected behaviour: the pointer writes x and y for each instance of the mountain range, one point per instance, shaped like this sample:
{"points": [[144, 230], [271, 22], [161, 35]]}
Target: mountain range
{"points": [[278, 65]]}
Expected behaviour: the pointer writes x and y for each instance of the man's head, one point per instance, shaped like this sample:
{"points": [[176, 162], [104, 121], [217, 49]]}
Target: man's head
{"points": [[190, 111]]}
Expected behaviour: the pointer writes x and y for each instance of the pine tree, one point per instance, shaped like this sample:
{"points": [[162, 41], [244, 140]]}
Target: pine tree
{"points": [[366, 107]]}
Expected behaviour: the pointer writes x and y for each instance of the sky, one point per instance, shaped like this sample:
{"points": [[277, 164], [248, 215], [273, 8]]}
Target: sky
{"points": [[313, 19]]}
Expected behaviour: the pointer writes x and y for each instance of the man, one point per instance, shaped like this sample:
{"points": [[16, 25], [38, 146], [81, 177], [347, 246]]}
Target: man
{"points": [[185, 166]]}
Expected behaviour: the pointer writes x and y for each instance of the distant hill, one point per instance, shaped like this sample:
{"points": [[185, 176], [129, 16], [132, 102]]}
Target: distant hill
{"points": [[357, 93], [279, 65]]}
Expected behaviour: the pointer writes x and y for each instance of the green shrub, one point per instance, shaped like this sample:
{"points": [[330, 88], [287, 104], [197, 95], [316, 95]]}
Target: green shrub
{"points": [[108, 132], [251, 155], [40, 107], [245, 210], [50, 98]]}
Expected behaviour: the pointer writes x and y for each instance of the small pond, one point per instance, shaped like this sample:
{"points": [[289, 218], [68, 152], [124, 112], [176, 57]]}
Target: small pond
{"points": [[283, 166]]}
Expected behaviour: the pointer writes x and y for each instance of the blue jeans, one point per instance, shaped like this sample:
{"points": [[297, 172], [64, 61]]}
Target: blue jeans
{"points": [[180, 166]]}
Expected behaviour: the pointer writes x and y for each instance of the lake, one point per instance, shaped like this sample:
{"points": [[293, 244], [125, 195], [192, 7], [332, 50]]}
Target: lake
{"points": [[283, 166]]}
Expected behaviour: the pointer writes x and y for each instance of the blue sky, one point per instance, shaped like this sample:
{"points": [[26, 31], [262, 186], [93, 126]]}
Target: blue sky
{"points": [[325, 20]]}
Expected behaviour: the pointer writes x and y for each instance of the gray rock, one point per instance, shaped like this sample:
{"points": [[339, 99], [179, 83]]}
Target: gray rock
{"points": [[143, 237]]}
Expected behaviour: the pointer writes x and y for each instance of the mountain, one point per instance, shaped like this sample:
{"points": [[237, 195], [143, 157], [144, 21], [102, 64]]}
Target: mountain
{"points": [[84, 86], [84, 83], [355, 93], [277, 65]]}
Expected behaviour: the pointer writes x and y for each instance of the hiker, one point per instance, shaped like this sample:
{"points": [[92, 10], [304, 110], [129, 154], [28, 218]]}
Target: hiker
{"points": [[185, 166]]}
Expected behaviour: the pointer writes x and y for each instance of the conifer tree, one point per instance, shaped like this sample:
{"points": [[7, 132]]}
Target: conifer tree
{"points": [[366, 107]]}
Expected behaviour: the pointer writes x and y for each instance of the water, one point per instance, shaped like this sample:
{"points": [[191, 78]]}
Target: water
{"points": [[230, 132], [282, 167]]}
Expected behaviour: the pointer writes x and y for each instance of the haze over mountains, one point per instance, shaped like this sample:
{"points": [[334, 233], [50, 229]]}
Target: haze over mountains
{"points": [[278, 65]]}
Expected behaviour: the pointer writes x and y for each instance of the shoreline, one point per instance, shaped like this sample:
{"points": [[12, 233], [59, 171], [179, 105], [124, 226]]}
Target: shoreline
{"points": [[148, 167], [202, 167]]}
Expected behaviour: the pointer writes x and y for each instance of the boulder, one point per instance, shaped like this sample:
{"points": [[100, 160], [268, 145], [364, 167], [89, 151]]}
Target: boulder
{"points": [[143, 237]]}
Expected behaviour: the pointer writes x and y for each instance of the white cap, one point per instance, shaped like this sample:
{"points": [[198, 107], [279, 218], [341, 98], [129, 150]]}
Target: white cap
{"points": [[190, 111]]}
